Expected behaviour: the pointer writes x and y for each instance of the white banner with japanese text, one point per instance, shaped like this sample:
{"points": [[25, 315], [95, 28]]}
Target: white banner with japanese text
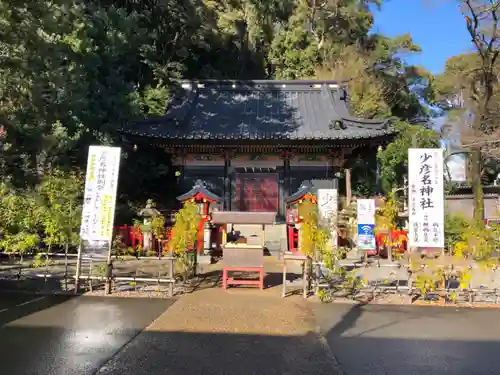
{"points": [[100, 194], [426, 197], [366, 211], [328, 209]]}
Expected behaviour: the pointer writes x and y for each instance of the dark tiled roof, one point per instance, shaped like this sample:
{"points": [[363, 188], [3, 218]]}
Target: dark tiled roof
{"points": [[315, 110], [199, 188], [304, 189]]}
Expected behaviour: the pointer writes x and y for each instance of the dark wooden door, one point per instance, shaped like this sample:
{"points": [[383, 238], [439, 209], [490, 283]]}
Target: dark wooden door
{"points": [[256, 192]]}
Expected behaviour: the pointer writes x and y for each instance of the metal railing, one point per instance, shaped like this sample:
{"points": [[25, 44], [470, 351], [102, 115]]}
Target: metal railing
{"points": [[403, 287], [56, 272]]}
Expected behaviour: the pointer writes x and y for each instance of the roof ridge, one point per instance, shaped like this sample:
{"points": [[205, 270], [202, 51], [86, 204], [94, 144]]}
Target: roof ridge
{"points": [[260, 84], [265, 81], [331, 101]]}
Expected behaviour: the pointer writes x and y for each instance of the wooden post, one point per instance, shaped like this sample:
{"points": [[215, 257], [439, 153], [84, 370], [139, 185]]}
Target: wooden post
{"points": [[171, 274], [109, 270], [283, 288], [389, 249], [348, 190], [227, 155], [78, 266], [306, 278], [224, 234]]}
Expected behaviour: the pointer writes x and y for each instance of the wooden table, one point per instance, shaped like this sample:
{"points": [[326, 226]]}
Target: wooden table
{"points": [[243, 258], [305, 285]]}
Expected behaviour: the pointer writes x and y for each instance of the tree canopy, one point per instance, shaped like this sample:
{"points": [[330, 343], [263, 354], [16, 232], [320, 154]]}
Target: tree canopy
{"points": [[470, 87], [73, 71]]}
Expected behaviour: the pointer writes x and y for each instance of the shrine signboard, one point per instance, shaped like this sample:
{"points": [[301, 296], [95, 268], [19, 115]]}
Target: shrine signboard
{"points": [[328, 210], [366, 224], [426, 197], [99, 199]]}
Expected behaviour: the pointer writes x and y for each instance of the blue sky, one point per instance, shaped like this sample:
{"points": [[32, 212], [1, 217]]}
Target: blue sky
{"points": [[435, 25]]}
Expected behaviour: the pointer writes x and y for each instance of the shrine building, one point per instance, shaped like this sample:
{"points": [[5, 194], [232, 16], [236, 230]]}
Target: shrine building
{"points": [[255, 143]]}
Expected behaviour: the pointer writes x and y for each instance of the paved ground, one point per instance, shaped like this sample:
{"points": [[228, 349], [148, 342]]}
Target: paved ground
{"points": [[63, 335], [240, 331], [411, 340]]}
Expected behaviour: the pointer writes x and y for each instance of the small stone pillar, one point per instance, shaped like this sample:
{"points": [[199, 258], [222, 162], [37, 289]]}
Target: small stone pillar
{"points": [[147, 213], [207, 234]]}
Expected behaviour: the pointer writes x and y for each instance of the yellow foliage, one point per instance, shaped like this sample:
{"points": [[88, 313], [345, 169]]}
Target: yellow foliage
{"points": [[479, 241], [460, 249], [158, 227], [464, 279], [313, 237], [425, 283], [488, 264], [386, 216], [187, 221]]}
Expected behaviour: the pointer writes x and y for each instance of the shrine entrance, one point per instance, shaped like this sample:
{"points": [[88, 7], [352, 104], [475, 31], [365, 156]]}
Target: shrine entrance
{"points": [[256, 192]]}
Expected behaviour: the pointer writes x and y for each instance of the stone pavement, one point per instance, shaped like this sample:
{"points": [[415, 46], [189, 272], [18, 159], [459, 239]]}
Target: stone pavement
{"points": [[237, 331], [68, 335], [411, 340]]}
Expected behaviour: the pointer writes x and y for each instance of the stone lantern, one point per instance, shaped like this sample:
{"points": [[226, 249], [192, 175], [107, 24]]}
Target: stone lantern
{"points": [[148, 213]]}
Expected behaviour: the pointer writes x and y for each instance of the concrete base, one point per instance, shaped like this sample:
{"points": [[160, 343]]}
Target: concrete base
{"points": [[204, 259]]}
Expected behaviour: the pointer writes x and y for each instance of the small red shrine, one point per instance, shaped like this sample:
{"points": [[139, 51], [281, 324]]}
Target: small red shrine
{"points": [[292, 215], [205, 200]]}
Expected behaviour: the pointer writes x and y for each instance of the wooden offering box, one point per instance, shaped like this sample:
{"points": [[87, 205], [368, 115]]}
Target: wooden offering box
{"points": [[244, 257]]}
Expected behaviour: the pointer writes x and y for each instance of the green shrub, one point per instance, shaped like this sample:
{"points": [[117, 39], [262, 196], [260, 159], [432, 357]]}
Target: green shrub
{"points": [[455, 226]]}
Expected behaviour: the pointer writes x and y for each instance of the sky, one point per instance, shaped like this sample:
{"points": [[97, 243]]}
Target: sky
{"points": [[437, 26]]}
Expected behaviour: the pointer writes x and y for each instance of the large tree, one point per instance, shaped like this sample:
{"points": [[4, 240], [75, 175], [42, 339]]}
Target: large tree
{"points": [[72, 72], [470, 86]]}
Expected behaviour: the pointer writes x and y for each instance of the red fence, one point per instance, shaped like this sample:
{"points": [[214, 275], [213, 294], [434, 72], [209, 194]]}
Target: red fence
{"points": [[133, 237], [399, 240]]}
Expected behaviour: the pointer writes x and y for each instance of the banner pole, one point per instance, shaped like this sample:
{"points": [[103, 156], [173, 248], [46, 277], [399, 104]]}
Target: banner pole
{"points": [[109, 269], [78, 267]]}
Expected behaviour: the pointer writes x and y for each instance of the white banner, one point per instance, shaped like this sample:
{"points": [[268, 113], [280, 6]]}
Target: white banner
{"points": [[426, 197], [366, 211], [328, 208], [100, 193]]}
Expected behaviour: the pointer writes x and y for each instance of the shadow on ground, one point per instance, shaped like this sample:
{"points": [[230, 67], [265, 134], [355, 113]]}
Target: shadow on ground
{"points": [[34, 350], [69, 335], [213, 279], [90, 335], [376, 340], [14, 306], [56, 350]]}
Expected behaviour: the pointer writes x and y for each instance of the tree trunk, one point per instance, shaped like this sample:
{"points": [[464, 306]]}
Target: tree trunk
{"points": [[477, 186]]}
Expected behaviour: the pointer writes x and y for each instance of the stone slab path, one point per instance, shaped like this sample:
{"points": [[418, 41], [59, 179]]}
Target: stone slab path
{"points": [[237, 331]]}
